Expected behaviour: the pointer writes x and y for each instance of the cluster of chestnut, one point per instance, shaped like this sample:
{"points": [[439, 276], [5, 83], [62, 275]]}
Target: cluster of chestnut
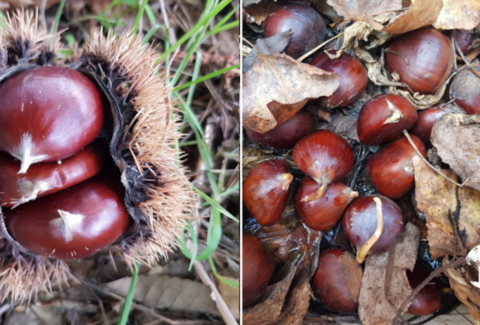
{"points": [[421, 59], [59, 194]]}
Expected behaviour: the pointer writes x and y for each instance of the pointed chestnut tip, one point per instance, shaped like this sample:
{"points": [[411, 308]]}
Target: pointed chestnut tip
{"points": [[287, 180], [353, 194], [316, 195]]}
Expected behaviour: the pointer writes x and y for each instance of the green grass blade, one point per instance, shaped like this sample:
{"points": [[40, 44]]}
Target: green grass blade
{"points": [[150, 33], [215, 204], [213, 237], [58, 15], [231, 283], [203, 22], [129, 299], [193, 256], [208, 76], [228, 26], [139, 17]]}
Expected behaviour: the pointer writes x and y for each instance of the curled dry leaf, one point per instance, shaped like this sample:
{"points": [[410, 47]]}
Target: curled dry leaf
{"points": [[420, 14], [374, 307], [364, 9], [256, 11], [458, 14], [452, 224], [465, 292], [456, 138], [277, 87]]}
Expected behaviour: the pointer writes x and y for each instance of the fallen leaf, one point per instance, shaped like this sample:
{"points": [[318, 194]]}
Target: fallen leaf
{"points": [[277, 87], [270, 45], [420, 14], [326, 10], [27, 3], [456, 138], [172, 293], [464, 291], [436, 197], [256, 11], [374, 307], [363, 9], [458, 14], [231, 296]]}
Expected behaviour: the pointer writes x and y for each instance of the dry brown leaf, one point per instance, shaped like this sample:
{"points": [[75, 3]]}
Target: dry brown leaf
{"points": [[172, 293], [465, 292], [420, 14], [257, 11], [277, 87], [231, 296], [27, 3], [326, 10], [374, 308], [436, 197], [457, 140], [363, 9], [459, 14]]}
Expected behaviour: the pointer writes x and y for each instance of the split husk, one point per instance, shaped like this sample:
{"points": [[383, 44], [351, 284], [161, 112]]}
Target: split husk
{"points": [[159, 197]]}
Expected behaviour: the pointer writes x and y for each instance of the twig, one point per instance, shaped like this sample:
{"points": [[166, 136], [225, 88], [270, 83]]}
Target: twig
{"points": [[306, 55], [166, 20], [435, 273]]}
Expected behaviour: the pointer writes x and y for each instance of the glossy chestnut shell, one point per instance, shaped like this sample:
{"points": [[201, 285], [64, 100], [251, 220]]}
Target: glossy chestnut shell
{"points": [[71, 224], [426, 120], [48, 114], [353, 79], [391, 168], [465, 90], [463, 39], [324, 156], [330, 283], [47, 178], [360, 222], [383, 118], [423, 59], [307, 25], [257, 267], [265, 191], [287, 134], [429, 298], [323, 213]]}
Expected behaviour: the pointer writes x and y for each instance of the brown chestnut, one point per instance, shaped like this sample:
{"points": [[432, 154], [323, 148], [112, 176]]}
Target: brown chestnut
{"points": [[48, 114], [336, 271], [423, 59], [323, 213], [429, 298], [360, 223], [463, 39], [353, 79], [265, 191], [74, 223], [465, 90], [47, 178], [426, 120], [391, 168], [287, 134], [307, 25], [324, 156], [383, 118], [257, 269]]}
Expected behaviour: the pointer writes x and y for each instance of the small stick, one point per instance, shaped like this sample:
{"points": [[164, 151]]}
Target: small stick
{"points": [[306, 55], [362, 252]]}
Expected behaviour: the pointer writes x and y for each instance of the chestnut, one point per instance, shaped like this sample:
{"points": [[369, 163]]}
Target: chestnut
{"points": [[307, 25], [429, 298], [257, 269], [47, 114], [330, 283], [353, 79], [287, 134], [322, 213], [360, 223], [71, 224], [324, 156], [463, 39], [47, 178], [391, 168], [383, 118], [265, 191], [465, 91], [422, 58], [426, 119]]}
